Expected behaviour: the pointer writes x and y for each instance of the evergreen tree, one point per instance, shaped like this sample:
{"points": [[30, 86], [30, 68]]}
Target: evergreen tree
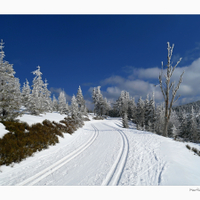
{"points": [[192, 127], [74, 108], [125, 121], [47, 102], [100, 104], [184, 132], [55, 104], [26, 95], [160, 119], [131, 110], [10, 95], [81, 102], [140, 114], [62, 105], [36, 102], [174, 122]]}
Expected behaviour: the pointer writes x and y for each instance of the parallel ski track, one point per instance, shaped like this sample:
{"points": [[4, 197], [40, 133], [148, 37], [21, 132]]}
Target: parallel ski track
{"points": [[47, 171], [114, 175]]}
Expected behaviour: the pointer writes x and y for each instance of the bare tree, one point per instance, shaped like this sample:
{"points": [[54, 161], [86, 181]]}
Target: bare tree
{"points": [[168, 88]]}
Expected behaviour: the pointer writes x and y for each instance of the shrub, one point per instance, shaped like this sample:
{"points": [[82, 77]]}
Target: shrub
{"points": [[23, 140], [188, 146]]}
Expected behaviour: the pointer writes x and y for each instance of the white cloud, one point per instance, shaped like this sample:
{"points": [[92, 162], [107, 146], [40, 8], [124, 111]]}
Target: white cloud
{"points": [[141, 81]]}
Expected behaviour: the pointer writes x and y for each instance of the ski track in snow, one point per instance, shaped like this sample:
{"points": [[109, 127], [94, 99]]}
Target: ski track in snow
{"points": [[145, 167], [49, 170], [116, 170]]}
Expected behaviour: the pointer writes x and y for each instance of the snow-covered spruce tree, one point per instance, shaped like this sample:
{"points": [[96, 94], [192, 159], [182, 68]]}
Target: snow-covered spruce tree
{"points": [[47, 102], [131, 109], [152, 115], [140, 114], [184, 132], [55, 104], [174, 131], [81, 102], [62, 105], [174, 122], [168, 89], [100, 104], [10, 95], [192, 127], [160, 119], [26, 95], [40, 97], [125, 121], [75, 113], [146, 111], [123, 107]]}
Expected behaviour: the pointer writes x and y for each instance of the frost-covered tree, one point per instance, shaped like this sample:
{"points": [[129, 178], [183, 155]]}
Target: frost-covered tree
{"points": [[146, 110], [100, 104], [174, 132], [81, 102], [62, 104], [10, 95], [152, 114], [131, 109], [47, 102], [26, 95], [125, 121], [123, 107], [160, 119], [55, 104], [75, 114], [168, 88], [140, 114], [174, 122], [184, 125], [192, 127], [36, 102]]}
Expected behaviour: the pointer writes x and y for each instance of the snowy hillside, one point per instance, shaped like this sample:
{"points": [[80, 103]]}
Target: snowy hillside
{"points": [[104, 153]]}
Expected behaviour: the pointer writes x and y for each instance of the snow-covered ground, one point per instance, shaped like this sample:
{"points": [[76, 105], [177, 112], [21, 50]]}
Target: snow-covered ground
{"points": [[103, 153]]}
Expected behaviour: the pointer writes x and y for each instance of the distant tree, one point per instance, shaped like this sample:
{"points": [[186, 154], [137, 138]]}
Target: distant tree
{"points": [[140, 114], [174, 123], [81, 102], [184, 132], [26, 95], [47, 102], [74, 108], [131, 109], [192, 127], [36, 102], [123, 107], [55, 104], [125, 121], [160, 119], [168, 89], [174, 132], [100, 104], [10, 95], [62, 104]]}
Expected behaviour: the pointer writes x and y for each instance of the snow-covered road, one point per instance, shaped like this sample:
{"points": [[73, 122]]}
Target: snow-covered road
{"points": [[104, 153]]}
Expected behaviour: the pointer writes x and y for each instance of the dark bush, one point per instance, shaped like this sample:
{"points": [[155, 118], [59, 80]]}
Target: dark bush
{"points": [[23, 140], [188, 146]]}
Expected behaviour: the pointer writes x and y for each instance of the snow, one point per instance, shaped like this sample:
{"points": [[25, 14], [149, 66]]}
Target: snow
{"points": [[103, 153], [3, 131]]}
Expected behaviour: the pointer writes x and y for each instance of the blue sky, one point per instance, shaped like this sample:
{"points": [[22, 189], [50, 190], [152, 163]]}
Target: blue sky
{"points": [[118, 52]]}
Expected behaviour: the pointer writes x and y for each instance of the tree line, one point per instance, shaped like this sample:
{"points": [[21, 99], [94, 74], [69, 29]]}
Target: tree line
{"points": [[35, 99]]}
